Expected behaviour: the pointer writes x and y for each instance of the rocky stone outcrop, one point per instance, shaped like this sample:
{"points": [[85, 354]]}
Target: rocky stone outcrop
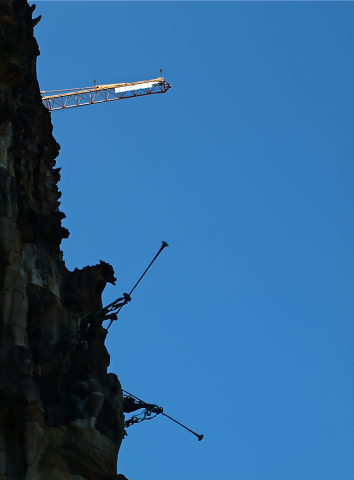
{"points": [[61, 414]]}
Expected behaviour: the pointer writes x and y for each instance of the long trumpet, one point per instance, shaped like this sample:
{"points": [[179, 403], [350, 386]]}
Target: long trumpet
{"points": [[164, 245], [200, 437]]}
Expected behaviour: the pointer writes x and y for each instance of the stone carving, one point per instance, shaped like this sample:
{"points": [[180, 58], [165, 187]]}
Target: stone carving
{"points": [[61, 413]]}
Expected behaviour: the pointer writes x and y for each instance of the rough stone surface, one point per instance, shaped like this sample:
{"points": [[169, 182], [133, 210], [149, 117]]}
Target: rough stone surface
{"points": [[61, 414]]}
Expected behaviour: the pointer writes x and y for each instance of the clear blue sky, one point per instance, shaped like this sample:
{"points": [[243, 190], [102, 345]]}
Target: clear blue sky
{"points": [[243, 329]]}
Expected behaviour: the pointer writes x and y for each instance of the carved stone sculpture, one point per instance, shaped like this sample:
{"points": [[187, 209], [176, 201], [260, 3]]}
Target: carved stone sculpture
{"points": [[61, 414]]}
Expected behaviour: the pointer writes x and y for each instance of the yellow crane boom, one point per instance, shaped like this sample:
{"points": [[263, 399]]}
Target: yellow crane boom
{"points": [[78, 97]]}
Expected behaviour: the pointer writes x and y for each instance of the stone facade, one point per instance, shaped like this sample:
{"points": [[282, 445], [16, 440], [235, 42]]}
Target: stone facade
{"points": [[61, 414]]}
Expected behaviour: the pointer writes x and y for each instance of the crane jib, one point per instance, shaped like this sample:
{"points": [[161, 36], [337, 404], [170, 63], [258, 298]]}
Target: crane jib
{"points": [[61, 99]]}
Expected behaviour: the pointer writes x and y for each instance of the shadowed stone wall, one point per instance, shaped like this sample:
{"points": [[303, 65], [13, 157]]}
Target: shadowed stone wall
{"points": [[61, 414]]}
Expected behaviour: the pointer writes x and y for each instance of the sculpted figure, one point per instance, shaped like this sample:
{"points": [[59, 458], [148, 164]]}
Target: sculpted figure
{"points": [[21, 399], [89, 371], [13, 316], [87, 378], [82, 289]]}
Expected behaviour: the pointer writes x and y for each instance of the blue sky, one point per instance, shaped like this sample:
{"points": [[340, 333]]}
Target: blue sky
{"points": [[243, 329]]}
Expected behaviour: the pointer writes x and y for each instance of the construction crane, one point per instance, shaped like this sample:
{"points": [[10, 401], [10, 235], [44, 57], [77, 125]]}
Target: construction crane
{"points": [[77, 97]]}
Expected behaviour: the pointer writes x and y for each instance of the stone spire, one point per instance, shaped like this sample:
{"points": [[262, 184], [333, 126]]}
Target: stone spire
{"points": [[61, 414]]}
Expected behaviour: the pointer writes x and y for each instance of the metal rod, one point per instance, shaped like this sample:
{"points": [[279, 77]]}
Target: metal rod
{"points": [[130, 394]]}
